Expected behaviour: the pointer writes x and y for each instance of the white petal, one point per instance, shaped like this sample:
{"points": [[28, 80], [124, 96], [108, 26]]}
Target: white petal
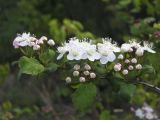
{"points": [[60, 56], [84, 56], [111, 57], [70, 56], [117, 49], [91, 58], [24, 43], [103, 60], [97, 55], [151, 51]]}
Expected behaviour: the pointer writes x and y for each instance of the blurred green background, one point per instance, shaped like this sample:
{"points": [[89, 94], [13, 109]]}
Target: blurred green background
{"points": [[60, 20]]}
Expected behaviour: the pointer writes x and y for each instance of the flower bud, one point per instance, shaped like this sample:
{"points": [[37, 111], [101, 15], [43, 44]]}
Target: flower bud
{"points": [[130, 50], [120, 57], [125, 47], [68, 79], [76, 73], [127, 61], [39, 41], [43, 38], [31, 44], [138, 66], [51, 42], [134, 60], [36, 47], [76, 67], [139, 51], [125, 72], [87, 67], [86, 73], [130, 67], [92, 75], [117, 67], [82, 79]]}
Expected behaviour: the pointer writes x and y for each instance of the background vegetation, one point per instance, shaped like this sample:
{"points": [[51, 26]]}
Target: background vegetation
{"points": [[24, 98]]}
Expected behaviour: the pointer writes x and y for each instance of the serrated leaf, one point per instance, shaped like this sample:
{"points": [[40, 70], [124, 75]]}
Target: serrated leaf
{"points": [[30, 66], [47, 56], [149, 69], [84, 96], [52, 67], [127, 89]]}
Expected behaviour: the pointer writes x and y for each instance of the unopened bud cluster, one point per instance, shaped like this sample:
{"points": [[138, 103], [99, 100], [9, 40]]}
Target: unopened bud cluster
{"points": [[81, 73], [127, 64]]}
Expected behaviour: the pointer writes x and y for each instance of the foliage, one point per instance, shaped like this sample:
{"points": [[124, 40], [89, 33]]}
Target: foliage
{"points": [[61, 19]]}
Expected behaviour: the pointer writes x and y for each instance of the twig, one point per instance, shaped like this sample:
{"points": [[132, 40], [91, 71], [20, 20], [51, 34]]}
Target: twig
{"points": [[148, 85]]}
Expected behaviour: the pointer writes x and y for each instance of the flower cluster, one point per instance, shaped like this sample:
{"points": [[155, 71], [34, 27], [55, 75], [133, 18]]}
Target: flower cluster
{"points": [[26, 39], [136, 47], [82, 49], [130, 55], [75, 49], [145, 112], [83, 73]]}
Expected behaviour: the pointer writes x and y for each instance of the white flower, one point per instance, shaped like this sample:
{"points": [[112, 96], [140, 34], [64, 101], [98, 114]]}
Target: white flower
{"points": [[76, 67], [107, 49], [86, 73], [148, 47], [92, 75], [125, 47], [39, 41], [62, 51], [147, 108], [130, 67], [23, 40], [146, 112], [51, 42], [68, 79], [140, 51], [90, 52], [125, 72], [106, 55], [75, 54], [138, 66], [82, 79], [76, 73], [134, 60], [31, 44], [87, 67], [36, 47], [117, 67], [121, 57], [139, 113], [150, 116], [43, 38], [127, 61], [134, 43], [130, 50]]}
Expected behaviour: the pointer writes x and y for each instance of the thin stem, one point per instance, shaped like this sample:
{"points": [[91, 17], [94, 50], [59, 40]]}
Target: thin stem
{"points": [[145, 84]]}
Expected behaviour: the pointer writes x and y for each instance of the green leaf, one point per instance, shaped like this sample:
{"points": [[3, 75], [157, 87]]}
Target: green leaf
{"points": [[47, 56], [105, 115], [30, 66], [148, 69], [127, 89], [52, 67], [84, 96]]}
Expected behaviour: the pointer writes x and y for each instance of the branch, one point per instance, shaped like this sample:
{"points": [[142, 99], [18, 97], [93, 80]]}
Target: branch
{"points": [[145, 84]]}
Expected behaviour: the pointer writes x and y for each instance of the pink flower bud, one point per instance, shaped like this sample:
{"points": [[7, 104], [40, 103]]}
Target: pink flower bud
{"points": [[117, 67]]}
